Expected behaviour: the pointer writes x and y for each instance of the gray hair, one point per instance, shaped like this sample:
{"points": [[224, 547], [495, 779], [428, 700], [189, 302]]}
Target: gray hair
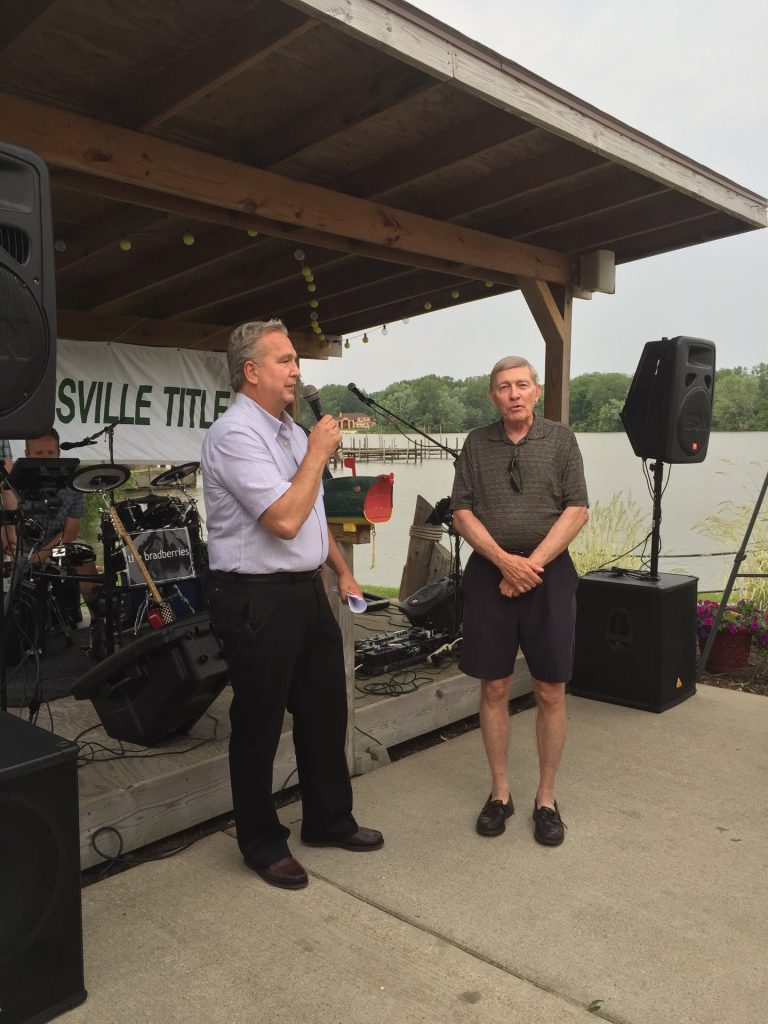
{"points": [[244, 346], [510, 363]]}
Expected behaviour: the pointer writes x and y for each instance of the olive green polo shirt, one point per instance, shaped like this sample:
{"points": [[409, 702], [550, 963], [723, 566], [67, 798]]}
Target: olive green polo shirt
{"points": [[552, 475]]}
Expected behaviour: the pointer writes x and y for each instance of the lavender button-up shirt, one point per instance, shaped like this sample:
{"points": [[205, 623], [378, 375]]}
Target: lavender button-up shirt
{"points": [[249, 459]]}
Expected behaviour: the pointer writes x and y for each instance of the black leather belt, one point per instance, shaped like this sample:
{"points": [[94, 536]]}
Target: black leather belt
{"points": [[268, 577]]}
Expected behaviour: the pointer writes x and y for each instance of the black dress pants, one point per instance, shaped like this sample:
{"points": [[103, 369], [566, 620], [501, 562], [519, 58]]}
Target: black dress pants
{"points": [[284, 651]]}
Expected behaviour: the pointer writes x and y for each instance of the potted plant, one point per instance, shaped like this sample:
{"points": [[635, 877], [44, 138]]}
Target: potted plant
{"points": [[739, 625]]}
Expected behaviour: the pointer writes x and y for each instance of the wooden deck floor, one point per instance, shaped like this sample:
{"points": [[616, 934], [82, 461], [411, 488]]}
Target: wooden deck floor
{"points": [[134, 796]]}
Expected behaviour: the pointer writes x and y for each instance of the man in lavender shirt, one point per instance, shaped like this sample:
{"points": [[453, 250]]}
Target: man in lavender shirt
{"points": [[267, 541]]}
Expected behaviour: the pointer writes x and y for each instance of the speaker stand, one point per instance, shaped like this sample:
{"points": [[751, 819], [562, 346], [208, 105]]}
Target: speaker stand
{"points": [[658, 475]]}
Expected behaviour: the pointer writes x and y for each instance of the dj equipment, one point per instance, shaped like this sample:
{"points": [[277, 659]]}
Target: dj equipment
{"points": [[41, 939], [389, 652], [159, 684], [27, 296], [635, 640], [668, 411]]}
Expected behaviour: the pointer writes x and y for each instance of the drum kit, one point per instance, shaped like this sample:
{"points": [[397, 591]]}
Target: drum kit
{"points": [[154, 554], [154, 560]]}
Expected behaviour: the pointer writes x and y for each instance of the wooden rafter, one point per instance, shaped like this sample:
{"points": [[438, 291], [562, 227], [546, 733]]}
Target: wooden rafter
{"points": [[135, 330], [93, 239], [82, 144], [19, 17], [253, 37], [360, 101]]}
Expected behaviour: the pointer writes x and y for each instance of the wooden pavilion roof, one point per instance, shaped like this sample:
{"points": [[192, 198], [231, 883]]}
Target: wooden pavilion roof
{"points": [[413, 167]]}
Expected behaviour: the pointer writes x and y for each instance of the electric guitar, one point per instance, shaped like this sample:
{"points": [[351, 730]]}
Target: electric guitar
{"points": [[161, 614]]}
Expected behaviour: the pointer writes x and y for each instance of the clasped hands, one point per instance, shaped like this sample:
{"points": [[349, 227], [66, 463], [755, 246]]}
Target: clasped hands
{"points": [[519, 575]]}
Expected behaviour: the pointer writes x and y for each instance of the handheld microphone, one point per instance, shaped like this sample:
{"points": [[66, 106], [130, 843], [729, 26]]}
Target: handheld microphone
{"points": [[358, 393], [311, 396]]}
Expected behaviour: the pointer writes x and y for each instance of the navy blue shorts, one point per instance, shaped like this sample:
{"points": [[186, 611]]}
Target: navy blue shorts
{"points": [[541, 622]]}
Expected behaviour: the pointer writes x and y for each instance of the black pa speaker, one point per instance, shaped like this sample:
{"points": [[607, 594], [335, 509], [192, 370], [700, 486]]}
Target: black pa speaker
{"points": [[668, 411], [159, 684], [438, 605], [27, 296], [41, 936], [635, 640]]}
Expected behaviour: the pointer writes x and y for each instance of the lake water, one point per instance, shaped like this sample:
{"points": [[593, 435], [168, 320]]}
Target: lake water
{"points": [[735, 467]]}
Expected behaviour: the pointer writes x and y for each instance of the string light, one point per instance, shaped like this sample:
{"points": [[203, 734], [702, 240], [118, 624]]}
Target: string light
{"points": [[346, 344], [365, 339], [427, 305], [126, 244], [489, 284], [455, 293], [188, 238], [252, 233], [60, 245], [298, 255], [384, 330], [311, 287], [314, 303]]}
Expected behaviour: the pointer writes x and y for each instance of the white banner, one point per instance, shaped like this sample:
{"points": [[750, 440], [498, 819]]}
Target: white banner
{"points": [[160, 401]]}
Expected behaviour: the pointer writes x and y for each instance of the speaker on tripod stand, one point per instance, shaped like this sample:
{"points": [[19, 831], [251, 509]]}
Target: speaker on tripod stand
{"points": [[636, 632]]}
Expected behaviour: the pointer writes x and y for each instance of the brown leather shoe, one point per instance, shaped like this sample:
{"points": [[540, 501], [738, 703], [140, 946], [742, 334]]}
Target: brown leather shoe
{"points": [[362, 841], [492, 820], [549, 826], [285, 874]]}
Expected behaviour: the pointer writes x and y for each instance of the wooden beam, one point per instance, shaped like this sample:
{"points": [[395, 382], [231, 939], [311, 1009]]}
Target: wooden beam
{"points": [[135, 330], [504, 185], [82, 144], [247, 41], [192, 210], [20, 17], [105, 233], [434, 153], [440, 51], [359, 101], [552, 311]]}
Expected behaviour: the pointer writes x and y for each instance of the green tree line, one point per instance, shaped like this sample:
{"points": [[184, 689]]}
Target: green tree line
{"points": [[443, 404]]}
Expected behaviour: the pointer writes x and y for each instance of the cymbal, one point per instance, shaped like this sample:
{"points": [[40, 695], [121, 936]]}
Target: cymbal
{"points": [[100, 478], [175, 474]]}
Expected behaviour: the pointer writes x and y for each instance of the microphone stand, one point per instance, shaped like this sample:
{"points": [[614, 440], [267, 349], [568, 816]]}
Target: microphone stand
{"points": [[411, 426], [455, 573]]}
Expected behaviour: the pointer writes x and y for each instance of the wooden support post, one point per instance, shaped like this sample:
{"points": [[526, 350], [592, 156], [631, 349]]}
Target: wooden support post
{"points": [[552, 306]]}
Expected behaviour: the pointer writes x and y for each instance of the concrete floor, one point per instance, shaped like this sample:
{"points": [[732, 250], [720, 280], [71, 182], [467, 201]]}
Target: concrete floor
{"points": [[655, 905]]}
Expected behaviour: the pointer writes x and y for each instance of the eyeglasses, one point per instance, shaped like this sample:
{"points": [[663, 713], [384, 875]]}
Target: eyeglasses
{"points": [[515, 477]]}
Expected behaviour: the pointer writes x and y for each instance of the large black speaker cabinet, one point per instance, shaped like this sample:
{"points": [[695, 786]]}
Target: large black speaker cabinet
{"points": [[27, 296], [41, 936], [668, 411], [158, 685], [635, 640]]}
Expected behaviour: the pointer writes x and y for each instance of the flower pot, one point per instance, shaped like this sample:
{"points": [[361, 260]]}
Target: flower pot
{"points": [[729, 652]]}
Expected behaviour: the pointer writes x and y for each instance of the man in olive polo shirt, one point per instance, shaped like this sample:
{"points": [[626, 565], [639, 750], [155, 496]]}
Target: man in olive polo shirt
{"points": [[519, 499]]}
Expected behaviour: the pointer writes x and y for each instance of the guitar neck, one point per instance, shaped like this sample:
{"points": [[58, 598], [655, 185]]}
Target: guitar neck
{"points": [[128, 541]]}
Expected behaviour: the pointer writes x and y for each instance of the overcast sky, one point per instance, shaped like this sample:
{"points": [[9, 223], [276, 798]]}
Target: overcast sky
{"points": [[690, 73]]}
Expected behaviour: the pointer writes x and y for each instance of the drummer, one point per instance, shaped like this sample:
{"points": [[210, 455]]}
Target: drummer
{"points": [[60, 524]]}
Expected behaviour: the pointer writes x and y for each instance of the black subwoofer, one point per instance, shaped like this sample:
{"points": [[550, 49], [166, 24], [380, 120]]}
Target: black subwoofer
{"points": [[635, 640], [41, 939], [158, 685]]}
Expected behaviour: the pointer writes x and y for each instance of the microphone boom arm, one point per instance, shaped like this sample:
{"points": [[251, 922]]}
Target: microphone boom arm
{"points": [[411, 426]]}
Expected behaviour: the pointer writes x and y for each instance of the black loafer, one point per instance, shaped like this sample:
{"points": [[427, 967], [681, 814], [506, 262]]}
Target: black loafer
{"points": [[549, 826], [362, 841], [285, 874], [493, 818]]}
